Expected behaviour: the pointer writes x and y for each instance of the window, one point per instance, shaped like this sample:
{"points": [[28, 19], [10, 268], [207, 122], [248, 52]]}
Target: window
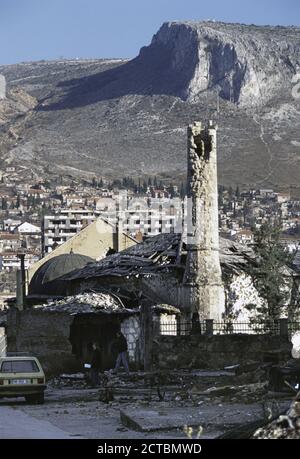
{"points": [[19, 366]]}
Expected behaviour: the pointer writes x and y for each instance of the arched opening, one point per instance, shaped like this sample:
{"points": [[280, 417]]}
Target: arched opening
{"points": [[89, 328]]}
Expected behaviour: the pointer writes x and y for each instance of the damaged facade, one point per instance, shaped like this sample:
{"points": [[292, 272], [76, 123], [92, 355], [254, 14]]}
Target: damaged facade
{"points": [[155, 270], [61, 332]]}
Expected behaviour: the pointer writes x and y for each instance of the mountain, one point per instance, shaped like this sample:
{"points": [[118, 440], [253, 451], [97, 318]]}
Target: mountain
{"points": [[113, 117]]}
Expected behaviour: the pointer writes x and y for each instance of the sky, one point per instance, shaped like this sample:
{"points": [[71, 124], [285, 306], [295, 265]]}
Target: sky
{"points": [[51, 29]]}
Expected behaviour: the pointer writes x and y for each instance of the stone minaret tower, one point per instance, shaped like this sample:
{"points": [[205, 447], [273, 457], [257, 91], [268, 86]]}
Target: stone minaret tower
{"points": [[204, 291]]}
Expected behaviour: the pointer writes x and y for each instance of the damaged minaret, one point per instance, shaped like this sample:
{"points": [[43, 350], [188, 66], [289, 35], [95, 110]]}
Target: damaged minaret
{"points": [[2, 87], [204, 291]]}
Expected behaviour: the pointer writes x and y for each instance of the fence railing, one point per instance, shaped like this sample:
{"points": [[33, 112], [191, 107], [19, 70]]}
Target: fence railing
{"points": [[281, 327]]}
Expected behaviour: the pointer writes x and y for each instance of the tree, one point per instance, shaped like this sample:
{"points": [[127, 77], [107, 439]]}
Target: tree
{"points": [[269, 272], [246, 211]]}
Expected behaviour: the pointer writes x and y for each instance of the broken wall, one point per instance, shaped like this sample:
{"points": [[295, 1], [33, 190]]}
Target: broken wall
{"points": [[45, 335], [59, 340]]}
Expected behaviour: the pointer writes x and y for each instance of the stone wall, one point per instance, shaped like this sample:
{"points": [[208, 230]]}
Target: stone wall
{"points": [[47, 336], [199, 351], [44, 335]]}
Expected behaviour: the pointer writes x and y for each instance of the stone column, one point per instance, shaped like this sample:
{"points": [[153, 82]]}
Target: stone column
{"points": [[204, 291]]}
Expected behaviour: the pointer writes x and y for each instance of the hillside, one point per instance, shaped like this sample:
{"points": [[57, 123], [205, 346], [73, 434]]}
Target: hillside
{"points": [[115, 117]]}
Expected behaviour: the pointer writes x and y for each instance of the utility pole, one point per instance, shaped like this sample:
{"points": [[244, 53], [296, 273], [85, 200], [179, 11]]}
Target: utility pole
{"points": [[21, 283]]}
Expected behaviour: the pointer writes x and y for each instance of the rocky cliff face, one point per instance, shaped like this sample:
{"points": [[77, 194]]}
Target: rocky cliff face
{"points": [[2, 87], [245, 64], [114, 117]]}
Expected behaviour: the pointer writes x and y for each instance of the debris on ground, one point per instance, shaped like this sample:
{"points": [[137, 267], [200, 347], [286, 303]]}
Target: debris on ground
{"points": [[281, 376], [174, 387], [286, 426]]}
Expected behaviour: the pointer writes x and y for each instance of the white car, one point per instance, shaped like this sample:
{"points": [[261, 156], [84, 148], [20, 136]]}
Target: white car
{"points": [[22, 377]]}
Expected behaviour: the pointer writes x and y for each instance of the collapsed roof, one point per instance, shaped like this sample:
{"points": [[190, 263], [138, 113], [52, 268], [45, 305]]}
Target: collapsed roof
{"points": [[87, 303], [161, 253]]}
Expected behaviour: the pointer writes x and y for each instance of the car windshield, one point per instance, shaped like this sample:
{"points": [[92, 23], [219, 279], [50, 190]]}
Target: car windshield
{"points": [[19, 366]]}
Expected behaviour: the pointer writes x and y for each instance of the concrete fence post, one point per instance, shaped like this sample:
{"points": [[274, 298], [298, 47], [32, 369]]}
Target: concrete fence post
{"points": [[283, 328], [209, 327]]}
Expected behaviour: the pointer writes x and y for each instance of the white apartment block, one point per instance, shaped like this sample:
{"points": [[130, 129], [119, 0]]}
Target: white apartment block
{"points": [[146, 220], [61, 226]]}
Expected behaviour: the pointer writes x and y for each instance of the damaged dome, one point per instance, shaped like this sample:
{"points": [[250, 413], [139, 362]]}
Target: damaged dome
{"points": [[45, 280]]}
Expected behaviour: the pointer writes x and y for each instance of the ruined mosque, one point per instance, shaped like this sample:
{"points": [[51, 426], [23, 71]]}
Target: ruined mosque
{"points": [[191, 276]]}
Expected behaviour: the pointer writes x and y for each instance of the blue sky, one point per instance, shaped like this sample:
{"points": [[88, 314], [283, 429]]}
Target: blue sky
{"points": [[49, 29]]}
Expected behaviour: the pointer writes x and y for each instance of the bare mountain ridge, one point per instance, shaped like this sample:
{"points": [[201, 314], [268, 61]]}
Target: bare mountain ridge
{"points": [[118, 117]]}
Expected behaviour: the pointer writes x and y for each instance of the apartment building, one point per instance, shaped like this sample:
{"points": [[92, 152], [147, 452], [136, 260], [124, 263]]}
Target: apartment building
{"points": [[64, 224]]}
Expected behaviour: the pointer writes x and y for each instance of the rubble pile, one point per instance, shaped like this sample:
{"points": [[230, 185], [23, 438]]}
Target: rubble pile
{"points": [[89, 302], [76, 381], [287, 426], [192, 389]]}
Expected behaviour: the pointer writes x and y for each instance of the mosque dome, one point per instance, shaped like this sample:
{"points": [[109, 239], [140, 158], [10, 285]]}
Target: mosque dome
{"points": [[45, 280]]}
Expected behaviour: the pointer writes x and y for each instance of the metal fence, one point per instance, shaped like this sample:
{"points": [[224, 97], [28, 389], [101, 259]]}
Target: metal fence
{"points": [[281, 327], [175, 328], [246, 328]]}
